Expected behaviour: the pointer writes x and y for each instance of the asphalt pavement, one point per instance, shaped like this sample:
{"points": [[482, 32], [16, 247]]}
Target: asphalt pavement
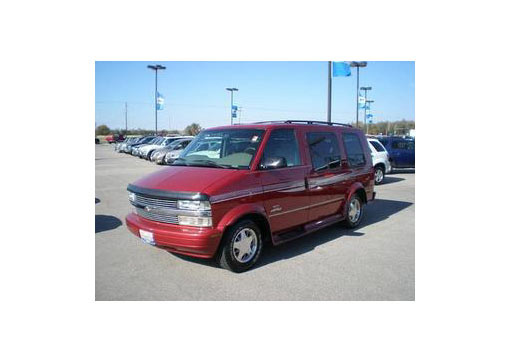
{"points": [[373, 262]]}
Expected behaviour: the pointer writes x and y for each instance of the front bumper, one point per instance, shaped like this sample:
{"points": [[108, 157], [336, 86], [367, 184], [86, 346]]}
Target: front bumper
{"points": [[159, 158], [388, 167], [188, 240]]}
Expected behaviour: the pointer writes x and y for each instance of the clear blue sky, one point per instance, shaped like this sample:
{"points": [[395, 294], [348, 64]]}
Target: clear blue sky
{"points": [[195, 92]]}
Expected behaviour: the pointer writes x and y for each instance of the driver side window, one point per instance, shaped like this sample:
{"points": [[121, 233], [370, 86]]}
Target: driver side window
{"points": [[282, 143]]}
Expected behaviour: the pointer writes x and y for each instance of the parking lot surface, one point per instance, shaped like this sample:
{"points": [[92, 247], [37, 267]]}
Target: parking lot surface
{"points": [[373, 262]]}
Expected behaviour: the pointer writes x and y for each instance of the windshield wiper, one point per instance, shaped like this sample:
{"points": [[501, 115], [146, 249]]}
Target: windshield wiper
{"points": [[208, 163], [180, 159]]}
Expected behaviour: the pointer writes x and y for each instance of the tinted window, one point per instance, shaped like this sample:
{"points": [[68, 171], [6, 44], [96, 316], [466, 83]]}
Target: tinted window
{"points": [[282, 143], [403, 145], [384, 141], [354, 150], [377, 146], [324, 150], [181, 145]]}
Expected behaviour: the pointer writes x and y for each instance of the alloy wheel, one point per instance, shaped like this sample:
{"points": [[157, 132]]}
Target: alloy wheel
{"points": [[245, 245], [354, 210]]}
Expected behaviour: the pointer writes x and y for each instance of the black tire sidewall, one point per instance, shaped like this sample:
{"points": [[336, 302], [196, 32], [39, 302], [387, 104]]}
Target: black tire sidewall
{"points": [[226, 257]]}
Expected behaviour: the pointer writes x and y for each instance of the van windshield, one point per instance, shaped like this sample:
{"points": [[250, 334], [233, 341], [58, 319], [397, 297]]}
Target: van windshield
{"points": [[227, 148]]}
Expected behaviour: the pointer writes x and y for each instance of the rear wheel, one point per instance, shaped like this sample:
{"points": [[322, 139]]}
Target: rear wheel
{"points": [[241, 247], [354, 212], [379, 174]]}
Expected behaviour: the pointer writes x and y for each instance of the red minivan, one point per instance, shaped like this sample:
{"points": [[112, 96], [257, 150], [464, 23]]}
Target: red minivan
{"points": [[235, 188]]}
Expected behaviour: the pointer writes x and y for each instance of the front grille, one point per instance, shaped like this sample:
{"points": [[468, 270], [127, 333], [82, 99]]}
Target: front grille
{"points": [[148, 201], [156, 216], [157, 209]]}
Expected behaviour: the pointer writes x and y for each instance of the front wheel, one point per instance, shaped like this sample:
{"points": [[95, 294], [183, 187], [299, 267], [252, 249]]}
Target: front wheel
{"points": [[241, 247], [354, 212], [379, 174]]}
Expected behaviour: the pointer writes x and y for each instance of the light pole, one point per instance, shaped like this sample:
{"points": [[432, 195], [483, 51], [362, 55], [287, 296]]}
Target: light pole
{"points": [[357, 65], [156, 68], [232, 90], [126, 116], [329, 104], [365, 116], [365, 89]]}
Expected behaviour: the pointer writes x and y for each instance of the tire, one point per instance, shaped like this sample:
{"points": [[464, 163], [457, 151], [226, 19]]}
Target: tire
{"points": [[228, 253], [379, 174], [149, 155], [351, 221]]}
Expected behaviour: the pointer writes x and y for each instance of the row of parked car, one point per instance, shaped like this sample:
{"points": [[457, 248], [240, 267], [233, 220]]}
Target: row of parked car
{"points": [[158, 149], [388, 153]]}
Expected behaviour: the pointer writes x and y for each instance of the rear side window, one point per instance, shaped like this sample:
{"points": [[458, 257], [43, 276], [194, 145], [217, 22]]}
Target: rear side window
{"points": [[377, 146], [403, 145], [354, 150], [324, 150], [282, 143]]}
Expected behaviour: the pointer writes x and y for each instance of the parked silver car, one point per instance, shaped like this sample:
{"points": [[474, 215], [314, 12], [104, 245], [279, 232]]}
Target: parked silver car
{"points": [[176, 147]]}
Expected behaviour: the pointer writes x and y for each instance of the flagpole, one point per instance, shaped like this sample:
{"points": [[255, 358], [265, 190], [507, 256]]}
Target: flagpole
{"points": [[232, 90], [365, 89], [357, 93], [156, 68], [329, 106], [357, 65], [156, 102]]}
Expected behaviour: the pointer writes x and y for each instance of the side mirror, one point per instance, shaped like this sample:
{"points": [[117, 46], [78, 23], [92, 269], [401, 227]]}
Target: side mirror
{"points": [[273, 162]]}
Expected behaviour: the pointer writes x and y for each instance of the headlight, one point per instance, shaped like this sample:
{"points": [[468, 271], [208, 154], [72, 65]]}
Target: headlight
{"points": [[193, 205], [131, 196], [194, 221]]}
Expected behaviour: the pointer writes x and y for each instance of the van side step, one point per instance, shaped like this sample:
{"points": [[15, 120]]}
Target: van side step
{"points": [[305, 229]]}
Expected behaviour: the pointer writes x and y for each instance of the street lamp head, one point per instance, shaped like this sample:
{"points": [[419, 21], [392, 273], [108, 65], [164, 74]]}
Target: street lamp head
{"points": [[156, 67], [358, 64], [232, 89], [366, 88]]}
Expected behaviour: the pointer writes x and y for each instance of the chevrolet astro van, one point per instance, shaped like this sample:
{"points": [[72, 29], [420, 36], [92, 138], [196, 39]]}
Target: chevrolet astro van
{"points": [[237, 188]]}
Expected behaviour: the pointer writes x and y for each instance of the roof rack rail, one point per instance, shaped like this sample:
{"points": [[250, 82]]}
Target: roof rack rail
{"points": [[308, 122]]}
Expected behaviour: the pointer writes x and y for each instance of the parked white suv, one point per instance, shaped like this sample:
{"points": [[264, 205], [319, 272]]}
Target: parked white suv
{"points": [[380, 158]]}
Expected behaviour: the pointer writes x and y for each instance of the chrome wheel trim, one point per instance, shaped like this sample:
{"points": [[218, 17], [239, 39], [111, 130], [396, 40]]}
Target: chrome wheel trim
{"points": [[244, 246], [354, 210], [378, 175]]}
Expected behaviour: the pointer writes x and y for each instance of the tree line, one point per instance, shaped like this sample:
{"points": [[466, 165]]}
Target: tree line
{"points": [[190, 130]]}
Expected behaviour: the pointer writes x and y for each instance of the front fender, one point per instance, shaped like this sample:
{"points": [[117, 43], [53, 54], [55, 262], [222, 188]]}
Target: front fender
{"points": [[233, 215]]}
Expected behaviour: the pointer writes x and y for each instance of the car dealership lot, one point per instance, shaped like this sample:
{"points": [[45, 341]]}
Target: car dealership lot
{"points": [[373, 262]]}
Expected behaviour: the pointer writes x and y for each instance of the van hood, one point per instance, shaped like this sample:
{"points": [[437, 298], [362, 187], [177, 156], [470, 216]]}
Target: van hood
{"points": [[183, 178]]}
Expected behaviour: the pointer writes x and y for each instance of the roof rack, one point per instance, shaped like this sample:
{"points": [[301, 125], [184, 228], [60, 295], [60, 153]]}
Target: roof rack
{"points": [[308, 122]]}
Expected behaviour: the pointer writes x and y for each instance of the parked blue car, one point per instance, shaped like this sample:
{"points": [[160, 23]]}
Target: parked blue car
{"points": [[401, 151]]}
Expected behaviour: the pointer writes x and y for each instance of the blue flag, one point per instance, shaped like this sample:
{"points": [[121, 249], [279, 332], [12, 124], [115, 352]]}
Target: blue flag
{"points": [[159, 101], [341, 69], [361, 101]]}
